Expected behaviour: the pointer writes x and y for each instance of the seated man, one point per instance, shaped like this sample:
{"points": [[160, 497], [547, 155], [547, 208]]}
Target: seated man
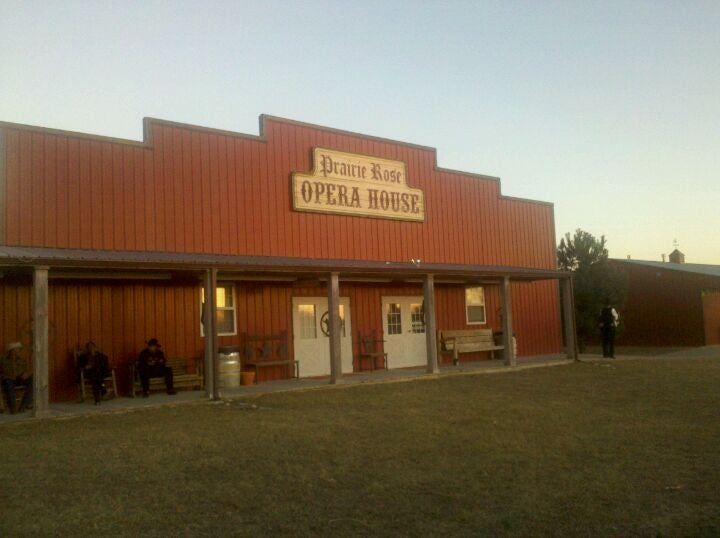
{"points": [[151, 363], [94, 365], [14, 371]]}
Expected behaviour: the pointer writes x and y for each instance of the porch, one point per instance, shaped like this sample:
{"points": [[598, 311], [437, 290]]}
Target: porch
{"points": [[41, 265], [68, 410]]}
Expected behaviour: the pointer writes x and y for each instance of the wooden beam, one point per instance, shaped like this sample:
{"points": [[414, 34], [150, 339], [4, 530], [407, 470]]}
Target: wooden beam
{"points": [[430, 324], [334, 326], [507, 325], [569, 318], [40, 344], [212, 387], [281, 266]]}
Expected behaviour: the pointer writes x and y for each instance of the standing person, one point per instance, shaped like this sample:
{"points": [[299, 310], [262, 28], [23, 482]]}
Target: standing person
{"points": [[151, 363], [14, 372], [94, 365], [608, 323]]}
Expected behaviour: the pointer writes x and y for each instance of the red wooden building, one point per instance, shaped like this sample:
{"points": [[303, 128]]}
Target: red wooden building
{"points": [[116, 241], [670, 303]]}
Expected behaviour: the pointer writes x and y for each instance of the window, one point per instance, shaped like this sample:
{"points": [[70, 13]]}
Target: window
{"points": [[475, 305], [225, 313], [394, 320], [308, 321], [417, 318]]}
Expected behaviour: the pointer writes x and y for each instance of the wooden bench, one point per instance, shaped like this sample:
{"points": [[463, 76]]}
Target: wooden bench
{"points": [[269, 350], [466, 341], [184, 376], [369, 349]]}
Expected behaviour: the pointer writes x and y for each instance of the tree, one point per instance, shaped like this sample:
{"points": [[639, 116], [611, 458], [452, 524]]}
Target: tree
{"points": [[581, 251], [596, 281]]}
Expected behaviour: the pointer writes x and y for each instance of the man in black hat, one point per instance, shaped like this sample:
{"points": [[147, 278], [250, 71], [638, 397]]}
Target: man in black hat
{"points": [[151, 363]]}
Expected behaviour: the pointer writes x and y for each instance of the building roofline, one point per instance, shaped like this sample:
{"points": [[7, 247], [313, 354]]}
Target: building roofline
{"points": [[148, 143], [710, 270], [268, 117], [73, 134]]}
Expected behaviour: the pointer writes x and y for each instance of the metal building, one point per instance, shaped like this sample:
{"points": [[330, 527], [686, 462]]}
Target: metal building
{"points": [[117, 241]]}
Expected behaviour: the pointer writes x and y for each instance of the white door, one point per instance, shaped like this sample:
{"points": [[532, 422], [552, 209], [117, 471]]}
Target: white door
{"points": [[404, 331], [311, 337]]}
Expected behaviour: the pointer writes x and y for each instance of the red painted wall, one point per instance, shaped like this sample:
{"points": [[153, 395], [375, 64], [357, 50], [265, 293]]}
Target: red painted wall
{"points": [[120, 316], [664, 307], [196, 190], [189, 189], [711, 316]]}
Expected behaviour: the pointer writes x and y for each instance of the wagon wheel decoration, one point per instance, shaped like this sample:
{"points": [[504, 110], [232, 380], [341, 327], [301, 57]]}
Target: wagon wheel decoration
{"points": [[325, 324], [25, 333]]}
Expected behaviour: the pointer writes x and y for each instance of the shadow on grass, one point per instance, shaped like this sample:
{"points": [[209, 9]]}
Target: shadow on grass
{"points": [[586, 449], [638, 351]]}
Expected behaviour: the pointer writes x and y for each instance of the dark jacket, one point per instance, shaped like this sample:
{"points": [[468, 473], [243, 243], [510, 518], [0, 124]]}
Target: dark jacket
{"points": [[98, 360], [148, 358], [608, 318], [12, 366]]}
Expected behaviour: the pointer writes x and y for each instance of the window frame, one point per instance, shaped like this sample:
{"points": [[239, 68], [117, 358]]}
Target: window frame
{"points": [[232, 308], [484, 307], [417, 319]]}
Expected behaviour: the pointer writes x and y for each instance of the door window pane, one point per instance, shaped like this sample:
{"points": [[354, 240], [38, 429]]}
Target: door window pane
{"points": [[308, 322], [417, 318], [342, 320], [394, 318]]}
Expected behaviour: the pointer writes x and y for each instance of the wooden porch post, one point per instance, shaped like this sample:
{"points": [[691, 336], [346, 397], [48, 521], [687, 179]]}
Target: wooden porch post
{"points": [[569, 318], [40, 350], [334, 327], [210, 329], [507, 326], [430, 324]]}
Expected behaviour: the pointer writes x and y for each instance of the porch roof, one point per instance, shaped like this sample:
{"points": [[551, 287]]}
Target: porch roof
{"points": [[81, 260]]}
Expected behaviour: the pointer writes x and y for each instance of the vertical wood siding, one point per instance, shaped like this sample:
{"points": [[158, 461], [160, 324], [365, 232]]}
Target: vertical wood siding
{"points": [[120, 317], [195, 190], [202, 191], [664, 307], [711, 316]]}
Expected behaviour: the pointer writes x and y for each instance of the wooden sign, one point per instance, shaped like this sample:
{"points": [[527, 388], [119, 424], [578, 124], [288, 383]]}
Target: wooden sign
{"points": [[352, 184]]}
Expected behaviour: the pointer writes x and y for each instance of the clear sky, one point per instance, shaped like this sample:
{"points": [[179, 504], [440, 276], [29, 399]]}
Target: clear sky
{"points": [[609, 109]]}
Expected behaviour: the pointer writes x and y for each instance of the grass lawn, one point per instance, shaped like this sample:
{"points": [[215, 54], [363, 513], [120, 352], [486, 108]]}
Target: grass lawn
{"points": [[611, 449]]}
